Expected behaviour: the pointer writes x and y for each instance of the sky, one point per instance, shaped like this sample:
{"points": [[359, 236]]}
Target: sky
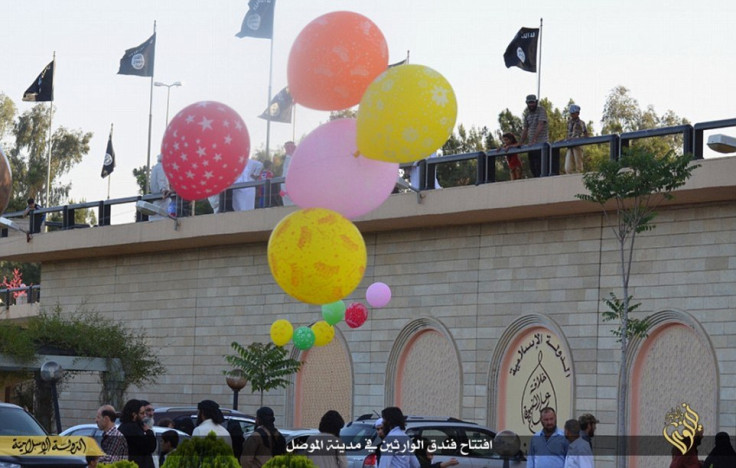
{"points": [[673, 55]]}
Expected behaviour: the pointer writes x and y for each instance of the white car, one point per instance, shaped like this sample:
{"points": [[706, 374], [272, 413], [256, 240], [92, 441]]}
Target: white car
{"points": [[15, 421], [92, 430]]}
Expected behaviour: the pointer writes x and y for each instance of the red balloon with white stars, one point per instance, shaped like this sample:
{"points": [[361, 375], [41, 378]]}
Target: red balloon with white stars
{"points": [[205, 148]]}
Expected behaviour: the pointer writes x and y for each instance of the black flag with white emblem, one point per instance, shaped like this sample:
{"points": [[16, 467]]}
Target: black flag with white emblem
{"points": [[522, 51], [109, 164], [43, 88], [258, 22], [139, 60], [280, 108]]}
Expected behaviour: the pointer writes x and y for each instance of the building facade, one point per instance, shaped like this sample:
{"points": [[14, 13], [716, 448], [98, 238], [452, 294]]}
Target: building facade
{"points": [[495, 310]]}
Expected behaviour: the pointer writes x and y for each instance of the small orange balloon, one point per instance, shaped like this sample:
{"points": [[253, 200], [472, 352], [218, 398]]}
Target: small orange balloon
{"points": [[334, 59]]}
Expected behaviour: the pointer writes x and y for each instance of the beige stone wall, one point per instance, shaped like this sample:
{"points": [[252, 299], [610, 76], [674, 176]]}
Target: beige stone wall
{"points": [[476, 280], [324, 383]]}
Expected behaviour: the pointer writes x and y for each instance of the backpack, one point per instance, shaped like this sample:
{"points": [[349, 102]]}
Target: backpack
{"points": [[279, 442]]}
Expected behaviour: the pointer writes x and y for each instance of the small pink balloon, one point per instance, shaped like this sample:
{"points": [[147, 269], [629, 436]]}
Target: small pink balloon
{"points": [[356, 314], [378, 294], [325, 173]]}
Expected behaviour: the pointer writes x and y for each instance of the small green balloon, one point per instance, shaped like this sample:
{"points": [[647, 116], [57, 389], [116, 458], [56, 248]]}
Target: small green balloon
{"points": [[333, 312], [304, 338]]}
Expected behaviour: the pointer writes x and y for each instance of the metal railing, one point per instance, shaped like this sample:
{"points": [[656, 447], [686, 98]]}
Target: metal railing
{"points": [[485, 163], [10, 296]]}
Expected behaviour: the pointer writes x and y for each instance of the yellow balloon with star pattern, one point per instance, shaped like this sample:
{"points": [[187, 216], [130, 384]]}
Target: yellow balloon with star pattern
{"points": [[406, 113], [317, 255]]}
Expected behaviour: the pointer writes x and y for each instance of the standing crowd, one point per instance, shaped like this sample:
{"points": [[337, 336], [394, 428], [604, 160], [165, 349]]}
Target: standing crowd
{"points": [[551, 447], [536, 131]]}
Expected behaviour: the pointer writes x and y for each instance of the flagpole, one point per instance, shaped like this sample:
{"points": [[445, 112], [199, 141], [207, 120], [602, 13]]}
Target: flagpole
{"points": [[293, 122], [150, 120], [539, 64], [48, 161], [109, 176], [268, 103]]}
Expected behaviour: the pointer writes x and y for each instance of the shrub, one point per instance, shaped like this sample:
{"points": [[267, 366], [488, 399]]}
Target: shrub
{"points": [[202, 452], [290, 461]]}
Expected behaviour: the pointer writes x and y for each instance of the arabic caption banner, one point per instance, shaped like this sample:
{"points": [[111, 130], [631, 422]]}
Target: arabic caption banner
{"points": [[19, 446]]}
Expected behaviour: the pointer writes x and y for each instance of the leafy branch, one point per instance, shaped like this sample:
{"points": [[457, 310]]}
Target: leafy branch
{"points": [[264, 366], [635, 327]]}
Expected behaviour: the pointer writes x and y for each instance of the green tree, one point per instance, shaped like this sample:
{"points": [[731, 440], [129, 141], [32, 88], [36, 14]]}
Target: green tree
{"points": [[464, 141], [621, 114], [351, 113], [636, 184], [264, 366], [509, 123], [24, 141], [7, 117], [88, 334], [140, 179], [29, 157]]}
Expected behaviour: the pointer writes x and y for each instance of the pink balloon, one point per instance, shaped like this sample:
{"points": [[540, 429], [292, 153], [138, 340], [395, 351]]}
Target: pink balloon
{"points": [[378, 294], [356, 314], [325, 173], [205, 148]]}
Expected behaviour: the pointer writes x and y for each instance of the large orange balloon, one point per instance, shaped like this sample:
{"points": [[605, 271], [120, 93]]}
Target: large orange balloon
{"points": [[334, 59]]}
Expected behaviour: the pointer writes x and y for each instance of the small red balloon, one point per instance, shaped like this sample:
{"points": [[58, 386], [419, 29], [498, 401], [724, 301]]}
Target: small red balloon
{"points": [[205, 148], [356, 314]]}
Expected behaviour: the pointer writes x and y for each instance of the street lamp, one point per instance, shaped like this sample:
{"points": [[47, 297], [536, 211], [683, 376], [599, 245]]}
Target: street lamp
{"points": [[168, 93], [722, 143], [236, 381], [52, 372], [150, 209], [9, 224]]}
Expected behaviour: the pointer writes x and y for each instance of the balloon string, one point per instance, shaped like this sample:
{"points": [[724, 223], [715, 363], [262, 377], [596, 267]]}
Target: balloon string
{"points": [[356, 154]]}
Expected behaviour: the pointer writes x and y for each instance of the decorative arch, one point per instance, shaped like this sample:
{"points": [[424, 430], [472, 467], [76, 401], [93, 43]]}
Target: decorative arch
{"points": [[675, 364], [325, 382], [531, 367], [424, 370]]}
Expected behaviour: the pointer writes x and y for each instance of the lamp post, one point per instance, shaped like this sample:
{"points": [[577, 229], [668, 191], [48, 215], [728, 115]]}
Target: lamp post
{"points": [[52, 372], [168, 94], [236, 381]]}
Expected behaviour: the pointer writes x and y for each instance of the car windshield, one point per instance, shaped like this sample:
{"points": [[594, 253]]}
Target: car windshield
{"points": [[15, 421]]}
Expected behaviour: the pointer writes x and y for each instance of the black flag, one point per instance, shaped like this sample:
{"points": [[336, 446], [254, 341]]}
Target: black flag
{"points": [[139, 60], [280, 108], [109, 164], [43, 88], [522, 51], [258, 22]]}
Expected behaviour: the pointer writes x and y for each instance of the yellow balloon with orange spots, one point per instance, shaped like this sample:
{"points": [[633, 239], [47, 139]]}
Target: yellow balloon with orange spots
{"points": [[317, 255], [324, 333], [406, 113]]}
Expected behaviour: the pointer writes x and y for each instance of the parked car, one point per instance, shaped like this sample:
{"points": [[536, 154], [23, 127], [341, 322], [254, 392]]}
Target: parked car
{"points": [[15, 421], [91, 430], [470, 443], [246, 421]]}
